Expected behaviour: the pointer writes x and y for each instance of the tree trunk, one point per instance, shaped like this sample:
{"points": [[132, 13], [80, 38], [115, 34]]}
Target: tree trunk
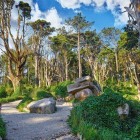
{"points": [[36, 71], [138, 87], [66, 67], [15, 78], [79, 56], [137, 80], [116, 58], [16, 83]]}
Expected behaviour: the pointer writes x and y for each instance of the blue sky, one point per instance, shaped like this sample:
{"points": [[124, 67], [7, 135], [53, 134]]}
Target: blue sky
{"points": [[102, 12], [105, 13]]}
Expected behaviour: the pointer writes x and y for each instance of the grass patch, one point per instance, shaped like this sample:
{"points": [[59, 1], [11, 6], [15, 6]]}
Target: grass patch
{"points": [[24, 103], [2, 128], [10, 99], [60, 90]]}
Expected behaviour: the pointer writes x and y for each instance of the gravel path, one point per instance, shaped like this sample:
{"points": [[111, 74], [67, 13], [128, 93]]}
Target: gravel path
{"points": [[26, 126]]}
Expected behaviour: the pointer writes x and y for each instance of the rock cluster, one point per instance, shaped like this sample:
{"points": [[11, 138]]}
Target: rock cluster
{"points": [[44, 106], [82, 88]]}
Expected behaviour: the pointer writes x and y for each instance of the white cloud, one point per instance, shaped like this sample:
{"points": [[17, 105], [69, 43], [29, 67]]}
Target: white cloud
{"points": [[99, 6], [53, 17], [73, 4]]}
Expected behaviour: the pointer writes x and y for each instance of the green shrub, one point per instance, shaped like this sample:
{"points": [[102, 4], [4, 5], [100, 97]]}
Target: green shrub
{"points": [[123, 88], [27, 90], [9, 90], [39, 94], [3, 93], [25, 101], [10, 99], [17, 92], [2, 128], [60, 90], [97, 118]]}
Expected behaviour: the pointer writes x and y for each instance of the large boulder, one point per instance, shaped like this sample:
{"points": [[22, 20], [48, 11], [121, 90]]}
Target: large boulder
{"points": [[83, 94], [44, 106], [74, 88]]}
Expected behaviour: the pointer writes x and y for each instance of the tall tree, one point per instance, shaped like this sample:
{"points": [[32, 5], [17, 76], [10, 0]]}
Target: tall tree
{"points": [[25, 13], [110, 37], [17, 51], [91, 50], [79, 23], [41, 30]]}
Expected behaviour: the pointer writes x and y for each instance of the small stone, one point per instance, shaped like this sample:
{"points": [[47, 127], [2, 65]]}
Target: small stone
{"points": [[123, 111]]}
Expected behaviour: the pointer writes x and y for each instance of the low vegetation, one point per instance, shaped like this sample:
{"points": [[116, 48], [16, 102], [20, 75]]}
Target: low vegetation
{"points": [[23, 104], [60, 90], [97, 118], [2, 128]]}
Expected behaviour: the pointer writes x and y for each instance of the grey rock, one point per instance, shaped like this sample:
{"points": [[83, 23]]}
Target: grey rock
{"points": [[74, 88], [83, 79], [44, 106], [123, 111], [0, 138], [83, 94]]}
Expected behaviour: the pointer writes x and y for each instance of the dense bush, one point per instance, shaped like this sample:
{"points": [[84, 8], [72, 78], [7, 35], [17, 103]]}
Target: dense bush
{"points": [[3, 92], [97, 118], [27, 90], [39, 94], [25, 101], [2, 128], [60, 90]]}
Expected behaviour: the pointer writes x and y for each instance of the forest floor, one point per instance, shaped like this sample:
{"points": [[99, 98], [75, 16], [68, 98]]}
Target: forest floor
{"points": [[31, 126]]}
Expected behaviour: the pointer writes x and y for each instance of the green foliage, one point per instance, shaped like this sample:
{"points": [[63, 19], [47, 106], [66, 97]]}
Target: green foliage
{"points": [[26, 9], [26, 100], [39, 94], [60, 90], [27, 90], [2, 128], [129, 38], [123, 88], [97, 118], [17, 92], [10, 99], [42, 27], [9, 90], [79, 22], [3, 92]]}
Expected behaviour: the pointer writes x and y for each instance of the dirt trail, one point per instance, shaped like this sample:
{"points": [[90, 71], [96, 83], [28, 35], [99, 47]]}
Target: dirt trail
{"points": [[26, 126]]}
